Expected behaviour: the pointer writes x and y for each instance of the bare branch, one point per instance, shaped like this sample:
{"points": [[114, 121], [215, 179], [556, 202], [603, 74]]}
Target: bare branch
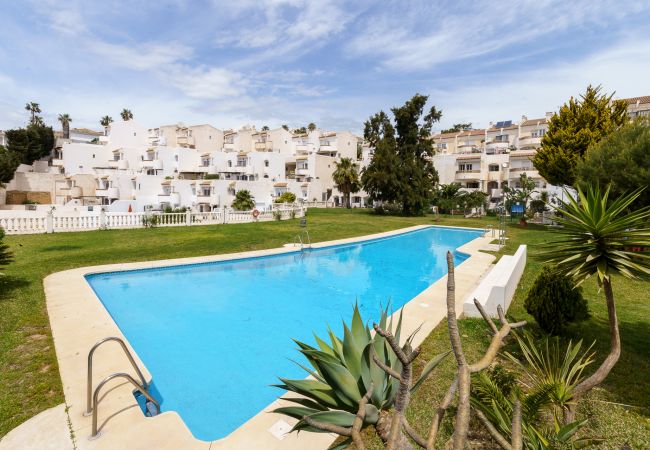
{"points": [[517, 440], [485, 316], [393, 343], [413, 434], [493, 431], [328, 427], [385, 368], [358, 420], [440, 414], [495, 345], [502, 316], [452, 323]]}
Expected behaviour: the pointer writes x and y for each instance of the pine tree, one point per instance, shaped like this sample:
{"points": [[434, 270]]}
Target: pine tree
{"points": [[401, 170], [579, 124]]}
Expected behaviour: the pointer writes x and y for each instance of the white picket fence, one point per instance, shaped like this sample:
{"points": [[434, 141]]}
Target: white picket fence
{"points": [[53, 223]]}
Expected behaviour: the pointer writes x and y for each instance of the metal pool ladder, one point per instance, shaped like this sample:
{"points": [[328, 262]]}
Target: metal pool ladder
{"points": [[302, 239], [142, 386]]}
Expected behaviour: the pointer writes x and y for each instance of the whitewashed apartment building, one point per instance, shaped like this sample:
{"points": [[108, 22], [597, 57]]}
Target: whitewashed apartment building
{"points": [[491, 158], [201, 167]]}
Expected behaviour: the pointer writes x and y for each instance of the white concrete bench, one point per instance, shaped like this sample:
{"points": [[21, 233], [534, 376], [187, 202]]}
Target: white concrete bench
{"points": [[498, 287]]}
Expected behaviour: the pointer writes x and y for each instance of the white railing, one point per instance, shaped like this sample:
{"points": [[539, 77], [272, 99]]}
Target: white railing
{"points": [[51, 222]]}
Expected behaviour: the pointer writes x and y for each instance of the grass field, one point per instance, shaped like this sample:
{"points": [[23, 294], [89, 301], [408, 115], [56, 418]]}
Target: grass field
{"points": [[29, 380]]}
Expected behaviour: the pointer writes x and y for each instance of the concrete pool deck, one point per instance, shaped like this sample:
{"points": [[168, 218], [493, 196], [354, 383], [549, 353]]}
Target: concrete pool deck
{"points": [[78, 320]]}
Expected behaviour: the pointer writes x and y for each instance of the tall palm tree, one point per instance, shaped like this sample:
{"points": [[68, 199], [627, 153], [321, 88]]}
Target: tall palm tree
{"points": [[65, 120], [34, 108], [106, 122], [311, 126], [600, 238], [346, 177], [126, 114]]}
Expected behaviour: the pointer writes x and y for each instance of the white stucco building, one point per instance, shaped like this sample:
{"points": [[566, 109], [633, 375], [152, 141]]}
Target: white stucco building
{"points": [[200, 167]]}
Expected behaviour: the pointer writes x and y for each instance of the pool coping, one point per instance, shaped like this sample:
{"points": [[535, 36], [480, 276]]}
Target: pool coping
{"points": [[78, 319]]}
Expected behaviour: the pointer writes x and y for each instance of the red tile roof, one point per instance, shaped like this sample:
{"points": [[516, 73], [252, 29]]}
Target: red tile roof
{"points": [[632, 100]]}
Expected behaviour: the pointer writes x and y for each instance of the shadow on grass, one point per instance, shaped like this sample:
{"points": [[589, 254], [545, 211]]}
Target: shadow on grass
{"points": [[59, 248], [10, 283]]}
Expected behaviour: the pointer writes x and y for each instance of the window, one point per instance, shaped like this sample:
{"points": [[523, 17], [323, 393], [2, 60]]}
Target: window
{"points": [[538, 133], [442, 146], [176, 158], [134, 133], [494, 167], [501, 138], [466, 167], [229, 163], [266, 163], [473, 185]]}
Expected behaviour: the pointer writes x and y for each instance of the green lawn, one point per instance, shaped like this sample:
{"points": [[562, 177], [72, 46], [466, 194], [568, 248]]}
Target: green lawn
{"points": [[29, 381]]}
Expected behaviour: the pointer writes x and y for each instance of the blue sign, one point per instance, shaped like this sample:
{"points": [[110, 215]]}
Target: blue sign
{"points": [[517, 209]]}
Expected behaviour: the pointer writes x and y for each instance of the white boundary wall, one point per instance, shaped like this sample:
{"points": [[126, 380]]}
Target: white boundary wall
{"points": [[51, 222], [499, 285]]}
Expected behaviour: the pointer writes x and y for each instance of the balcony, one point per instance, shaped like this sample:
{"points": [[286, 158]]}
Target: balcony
{"points": [[263, 145], [302, 171], [113, 192], [468, 174], [228, 146], [57, 162], [100, 192], [515, 172], [529, 142]]}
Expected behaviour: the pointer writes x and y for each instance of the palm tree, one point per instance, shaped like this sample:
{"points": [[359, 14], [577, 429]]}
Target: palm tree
{"points": [[126, 114], [346, 177], [33, 108], [265, 128], [106, 122], [311, 126], [601, 239], [286, 127], [65, 120]]}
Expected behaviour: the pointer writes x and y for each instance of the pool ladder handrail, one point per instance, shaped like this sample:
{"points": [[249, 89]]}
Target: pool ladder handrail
{"points": [[299, 239], [143, 386]]}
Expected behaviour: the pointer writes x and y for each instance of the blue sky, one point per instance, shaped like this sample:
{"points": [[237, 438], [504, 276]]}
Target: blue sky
{"points": [[270, 62]]}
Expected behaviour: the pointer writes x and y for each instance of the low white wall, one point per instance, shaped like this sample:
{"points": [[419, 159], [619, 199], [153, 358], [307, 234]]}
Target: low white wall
{"points": [[499, 286]]}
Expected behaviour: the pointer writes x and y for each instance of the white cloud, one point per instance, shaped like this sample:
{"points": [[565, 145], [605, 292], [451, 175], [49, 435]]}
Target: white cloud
{"points": [[149, 56], [441, 34], [205, 82], [623, 68]]}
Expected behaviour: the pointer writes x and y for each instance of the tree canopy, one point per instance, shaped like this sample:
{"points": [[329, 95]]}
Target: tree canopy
{"points": [[126, 114], [24, 146], [458, 127], [401, 170], [243, 201], [579, 124], [346, 177], [621, 160]]}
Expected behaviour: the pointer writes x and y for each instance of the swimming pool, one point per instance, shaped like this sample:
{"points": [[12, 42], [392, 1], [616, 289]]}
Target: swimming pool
{"points": [[215, 336]]}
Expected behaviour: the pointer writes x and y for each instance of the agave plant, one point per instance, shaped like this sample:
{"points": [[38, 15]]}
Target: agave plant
{"points": [[342, 372], [550, 376]]}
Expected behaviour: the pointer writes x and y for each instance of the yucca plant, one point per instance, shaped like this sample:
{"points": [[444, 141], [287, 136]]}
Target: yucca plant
{"points": [[343, 371], [601, 237], [550, 375], [550, 369]]}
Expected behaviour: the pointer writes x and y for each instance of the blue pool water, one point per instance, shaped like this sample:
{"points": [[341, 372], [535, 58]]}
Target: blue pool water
{"points": [[215, 336]]}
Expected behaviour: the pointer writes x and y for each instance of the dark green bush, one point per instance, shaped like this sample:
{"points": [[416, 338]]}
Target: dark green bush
{"points": [[554, 302]]}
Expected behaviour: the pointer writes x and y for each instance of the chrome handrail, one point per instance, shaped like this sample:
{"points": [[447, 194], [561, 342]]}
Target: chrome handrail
{"points": [[130, 379], [89, 387]]}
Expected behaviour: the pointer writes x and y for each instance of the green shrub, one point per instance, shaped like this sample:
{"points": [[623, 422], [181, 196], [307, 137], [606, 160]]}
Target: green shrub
{"points": [[554, 302], [286, 197]]}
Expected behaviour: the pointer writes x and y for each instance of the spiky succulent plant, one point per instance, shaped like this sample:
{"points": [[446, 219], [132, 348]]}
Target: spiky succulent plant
{"points": [[342, 372]]}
